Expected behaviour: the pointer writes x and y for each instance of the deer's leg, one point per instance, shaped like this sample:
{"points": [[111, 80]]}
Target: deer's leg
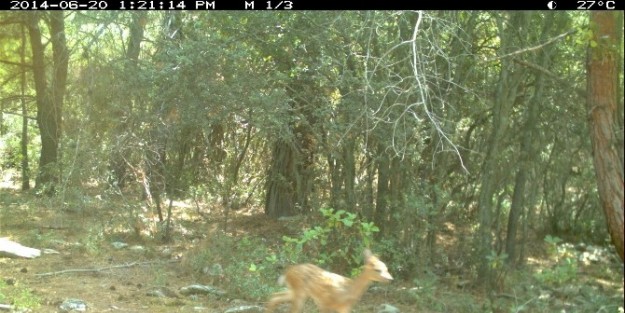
{"points": [[298, 302], [277, 298], [323, 308]]}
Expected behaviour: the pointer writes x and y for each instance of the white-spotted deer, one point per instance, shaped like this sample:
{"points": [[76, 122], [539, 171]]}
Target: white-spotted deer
{"points": [[331, 292]]}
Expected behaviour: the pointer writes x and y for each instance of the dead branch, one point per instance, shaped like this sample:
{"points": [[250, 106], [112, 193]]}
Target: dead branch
{"points": [[101, 269], [550, 41], [580, 92]]}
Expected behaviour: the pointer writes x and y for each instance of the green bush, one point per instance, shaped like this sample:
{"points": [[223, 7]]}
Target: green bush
{"points": [[566, 267], [22, 299], [255, 278], [338, 240]]}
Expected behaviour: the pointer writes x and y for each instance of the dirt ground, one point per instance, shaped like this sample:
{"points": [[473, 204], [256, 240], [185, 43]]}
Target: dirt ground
{"points": [[85, 265]]}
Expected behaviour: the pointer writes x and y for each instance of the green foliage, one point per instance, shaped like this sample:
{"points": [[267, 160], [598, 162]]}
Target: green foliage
{"points": [[426, 292], [339, 240], [199, 259], [91, 242], [563, 272], [599, 301], [584, 36], [246, 265], [357, 87], [429, 294], [496, 261], [401, 260], [255, 278], [26, 299], [10, 142], [22, 298], [565, 269], [552, 244]]}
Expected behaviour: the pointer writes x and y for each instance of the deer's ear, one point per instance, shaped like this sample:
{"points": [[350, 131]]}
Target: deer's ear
{"points": [[367, 254]]}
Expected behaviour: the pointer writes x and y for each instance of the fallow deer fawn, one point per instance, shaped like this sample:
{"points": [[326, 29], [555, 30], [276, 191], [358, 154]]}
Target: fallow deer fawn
{"points": [[331, 292]]}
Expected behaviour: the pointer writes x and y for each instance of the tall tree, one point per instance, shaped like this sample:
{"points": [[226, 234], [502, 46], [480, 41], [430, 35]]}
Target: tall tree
{"points": [[290, 176], [510, 79], [530, 139], [603, 109], [49, 95], [24, 139]]}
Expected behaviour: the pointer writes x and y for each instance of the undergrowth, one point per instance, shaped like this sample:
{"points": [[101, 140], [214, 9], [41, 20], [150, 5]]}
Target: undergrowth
{"points": [[21, 298]]}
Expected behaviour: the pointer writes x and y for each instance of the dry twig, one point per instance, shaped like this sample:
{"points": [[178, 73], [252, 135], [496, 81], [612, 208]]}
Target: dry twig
{"points": [[100, 269]]}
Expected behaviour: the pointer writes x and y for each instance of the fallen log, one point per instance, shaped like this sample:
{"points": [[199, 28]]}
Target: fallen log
{"points": [[12, 249]]}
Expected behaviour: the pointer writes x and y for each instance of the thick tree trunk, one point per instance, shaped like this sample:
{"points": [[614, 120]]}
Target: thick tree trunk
{"points": [[280, 191], [603, 113], [289, 179], [48, 105], [60, 57]]}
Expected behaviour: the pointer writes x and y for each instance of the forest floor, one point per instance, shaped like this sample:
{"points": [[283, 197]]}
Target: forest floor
{"points": [[146, 275]]}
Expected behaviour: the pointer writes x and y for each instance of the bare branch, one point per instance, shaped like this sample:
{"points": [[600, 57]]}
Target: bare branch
{"points": [[528, 49], [101, 269], [580, 92], [422, 89]]}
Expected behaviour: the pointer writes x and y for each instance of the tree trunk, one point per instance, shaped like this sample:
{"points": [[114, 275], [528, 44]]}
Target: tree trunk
{"points": [[383, 195], [290, 177], [527, 148], [349, 173], [60, 58], [603, 114], [24, 139], [505, 96], [280, 192], [334, 173], [49, 101], [367, 203]]}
